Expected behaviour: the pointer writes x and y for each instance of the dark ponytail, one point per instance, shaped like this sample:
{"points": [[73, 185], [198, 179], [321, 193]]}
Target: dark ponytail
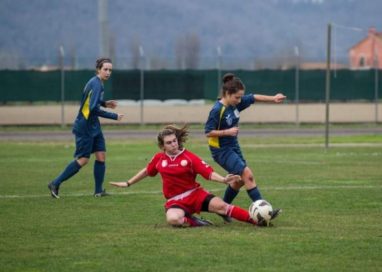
{"points": [[231, 84], [228, 77]]}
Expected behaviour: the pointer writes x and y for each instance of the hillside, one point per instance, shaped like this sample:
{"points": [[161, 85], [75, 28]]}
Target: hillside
{"points": [[245, 30]]}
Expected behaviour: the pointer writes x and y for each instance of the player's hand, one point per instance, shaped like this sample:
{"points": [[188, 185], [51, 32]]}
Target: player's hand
{"points": [[122, 184], [233, 131], [232, 179], [120, 116], [112, 104], [278, 98]]}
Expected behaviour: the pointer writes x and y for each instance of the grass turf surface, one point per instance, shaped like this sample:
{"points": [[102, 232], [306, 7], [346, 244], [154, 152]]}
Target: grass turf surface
{"points": [[331, 221]]}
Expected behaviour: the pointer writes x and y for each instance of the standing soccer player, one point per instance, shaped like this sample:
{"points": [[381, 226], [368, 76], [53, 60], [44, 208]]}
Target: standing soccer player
{"points": [[178, 168], [87, 130], [222, 128]]}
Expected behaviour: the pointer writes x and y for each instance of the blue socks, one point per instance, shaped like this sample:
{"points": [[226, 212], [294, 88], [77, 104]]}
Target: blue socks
{"points": [[69, 171], [254, 194], [99, 175], [230, 194], [72, 169]]}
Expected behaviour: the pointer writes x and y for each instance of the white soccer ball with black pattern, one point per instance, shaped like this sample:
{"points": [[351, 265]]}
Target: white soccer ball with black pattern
{"points": [[261, 210]]}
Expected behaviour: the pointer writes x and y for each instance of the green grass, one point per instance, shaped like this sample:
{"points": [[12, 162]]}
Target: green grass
{"points": [[117, 126], [331, 221]]}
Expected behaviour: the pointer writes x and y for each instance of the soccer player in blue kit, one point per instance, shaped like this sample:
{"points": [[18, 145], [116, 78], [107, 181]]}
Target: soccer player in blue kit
{"points": [[87, 130], [222, 130]]}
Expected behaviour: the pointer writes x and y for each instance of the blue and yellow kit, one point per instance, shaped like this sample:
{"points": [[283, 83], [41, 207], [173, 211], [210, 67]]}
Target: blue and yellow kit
{"points": [[225, 150], [87, 121], [222, 117]]}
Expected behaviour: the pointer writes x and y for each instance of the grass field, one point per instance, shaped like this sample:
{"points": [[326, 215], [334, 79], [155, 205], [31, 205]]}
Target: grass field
{"points": [[331, 201]]}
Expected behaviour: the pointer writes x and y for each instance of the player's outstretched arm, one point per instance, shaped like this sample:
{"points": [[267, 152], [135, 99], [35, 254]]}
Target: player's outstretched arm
{"points": [[229, 179], [112, 104], [120, 116], [138, 177], [277, 98]]}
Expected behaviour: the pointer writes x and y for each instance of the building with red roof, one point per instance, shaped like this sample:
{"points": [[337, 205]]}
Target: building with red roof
{"points": [[367, 53]]}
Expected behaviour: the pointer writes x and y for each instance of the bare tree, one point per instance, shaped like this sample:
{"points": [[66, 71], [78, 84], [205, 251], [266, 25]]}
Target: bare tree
{"points": [[134, 51], [10, 60], [73, 57], [192, 51], [180, 53], [156, 63], [112, 54], [187, 51]]}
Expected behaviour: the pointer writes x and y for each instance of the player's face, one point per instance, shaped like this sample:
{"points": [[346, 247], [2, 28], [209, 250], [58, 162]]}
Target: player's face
{"points": [[105, 71], [170, 144], [234, 99]]}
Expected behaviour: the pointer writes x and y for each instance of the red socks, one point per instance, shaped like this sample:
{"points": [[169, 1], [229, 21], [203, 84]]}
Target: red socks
{"points": [[239, 214], [232, 211]]}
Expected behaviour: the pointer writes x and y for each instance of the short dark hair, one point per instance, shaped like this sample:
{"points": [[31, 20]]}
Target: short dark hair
{"points": [[101, 61]]}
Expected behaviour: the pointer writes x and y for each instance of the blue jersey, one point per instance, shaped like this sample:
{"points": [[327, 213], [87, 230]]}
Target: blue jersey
{"points": [[222, 117], [87, 121]]}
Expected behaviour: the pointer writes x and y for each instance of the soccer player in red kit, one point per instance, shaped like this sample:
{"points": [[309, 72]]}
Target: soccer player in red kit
{"points": [[178, 168]]}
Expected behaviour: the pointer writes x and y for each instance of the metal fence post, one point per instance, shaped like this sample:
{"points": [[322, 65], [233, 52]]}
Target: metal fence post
{"points": [[327, 87], [62, 68]]}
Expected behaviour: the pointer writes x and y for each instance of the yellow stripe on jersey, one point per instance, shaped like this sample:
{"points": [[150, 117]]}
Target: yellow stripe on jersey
{"points": [[86, 108], [214, 141]]}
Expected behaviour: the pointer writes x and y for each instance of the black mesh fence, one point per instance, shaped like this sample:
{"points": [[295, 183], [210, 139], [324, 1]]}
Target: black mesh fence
{"points": [[32, 86]]}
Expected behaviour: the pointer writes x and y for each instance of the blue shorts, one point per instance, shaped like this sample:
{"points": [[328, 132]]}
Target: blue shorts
{"points": [[230, 159], [86, 145]]}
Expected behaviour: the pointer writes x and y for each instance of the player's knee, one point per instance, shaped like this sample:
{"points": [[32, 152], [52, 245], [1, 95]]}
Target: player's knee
{"points": [[250, 183], [237, 185], [217, 205], [83, 161], [248, 178], [175, 220], [100, 156], [222, 208]]}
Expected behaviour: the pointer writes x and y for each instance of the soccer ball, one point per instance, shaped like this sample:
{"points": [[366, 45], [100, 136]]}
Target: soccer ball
{"points": [[260, 210]]}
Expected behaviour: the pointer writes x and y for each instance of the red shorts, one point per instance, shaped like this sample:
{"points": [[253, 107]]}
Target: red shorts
{"points": [[190, 203]]}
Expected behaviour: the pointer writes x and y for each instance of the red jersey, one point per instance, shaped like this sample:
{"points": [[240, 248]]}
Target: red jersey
{"points": [[178, 172]]}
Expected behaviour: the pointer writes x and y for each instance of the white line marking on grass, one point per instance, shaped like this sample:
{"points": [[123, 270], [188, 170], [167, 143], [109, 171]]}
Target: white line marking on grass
{"points": [[265, 188], [325, 187], [313, 145]]}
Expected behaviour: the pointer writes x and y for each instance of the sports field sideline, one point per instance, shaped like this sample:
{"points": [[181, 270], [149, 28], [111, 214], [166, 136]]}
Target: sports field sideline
{"points": [[154, 114]]}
